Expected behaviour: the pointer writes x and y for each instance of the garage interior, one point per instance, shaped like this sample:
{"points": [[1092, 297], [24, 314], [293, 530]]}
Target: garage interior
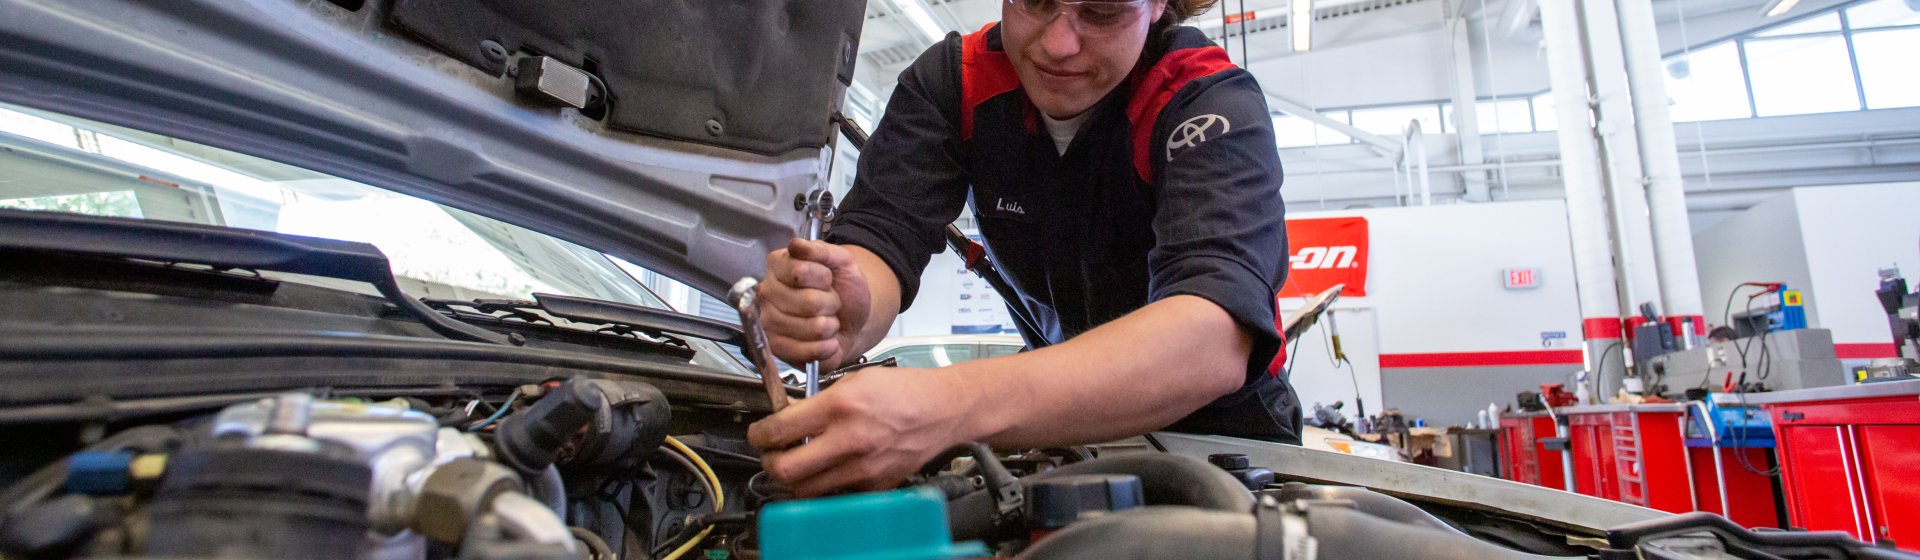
{"points": [[1508, 248], [1658, 252]]}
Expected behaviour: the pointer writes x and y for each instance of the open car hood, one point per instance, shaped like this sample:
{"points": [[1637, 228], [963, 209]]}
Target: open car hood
{"points": [[709, 118]]}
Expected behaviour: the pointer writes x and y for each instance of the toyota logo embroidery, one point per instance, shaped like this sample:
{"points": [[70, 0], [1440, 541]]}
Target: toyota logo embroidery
{"points": [[1195, 131]]}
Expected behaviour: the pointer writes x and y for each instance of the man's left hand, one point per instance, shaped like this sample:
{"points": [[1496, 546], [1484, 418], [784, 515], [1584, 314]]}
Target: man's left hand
{"points": [[870, 430]]}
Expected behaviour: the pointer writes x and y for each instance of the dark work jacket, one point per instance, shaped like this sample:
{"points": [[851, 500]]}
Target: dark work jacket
{"points": [[1171, 187]]}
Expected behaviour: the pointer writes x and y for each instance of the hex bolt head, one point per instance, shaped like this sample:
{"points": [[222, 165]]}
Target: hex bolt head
{"points": [[493, 50]]}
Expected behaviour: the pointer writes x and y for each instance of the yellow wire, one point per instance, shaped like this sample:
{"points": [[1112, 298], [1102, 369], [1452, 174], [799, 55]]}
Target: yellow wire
{"points": [[713, 484]]}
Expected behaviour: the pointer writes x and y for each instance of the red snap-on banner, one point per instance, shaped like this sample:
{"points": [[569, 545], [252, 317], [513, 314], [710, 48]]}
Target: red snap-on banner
{"points": [[1326, 251]]}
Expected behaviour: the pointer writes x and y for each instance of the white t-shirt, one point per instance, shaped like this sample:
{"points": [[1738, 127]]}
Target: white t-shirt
{"points": [[1063, 131]]}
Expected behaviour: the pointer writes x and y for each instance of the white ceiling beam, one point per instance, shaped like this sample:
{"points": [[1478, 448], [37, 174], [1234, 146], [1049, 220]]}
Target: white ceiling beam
{"points": [[1519, 15], [1380, 144]]}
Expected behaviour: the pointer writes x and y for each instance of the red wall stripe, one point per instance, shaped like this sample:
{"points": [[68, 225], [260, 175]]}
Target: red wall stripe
{"points": [[1471, 359], [1864, 350], [1855, 351], [1601, 328]]}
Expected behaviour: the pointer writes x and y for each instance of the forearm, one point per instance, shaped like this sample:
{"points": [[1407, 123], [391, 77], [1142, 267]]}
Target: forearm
{"points": [[1135, 374], [885, 307]]}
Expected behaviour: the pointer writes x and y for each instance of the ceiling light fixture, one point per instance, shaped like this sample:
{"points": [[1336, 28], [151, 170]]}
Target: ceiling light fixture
{"points": [[1775, 8], [922, 18], [1300, 21]]}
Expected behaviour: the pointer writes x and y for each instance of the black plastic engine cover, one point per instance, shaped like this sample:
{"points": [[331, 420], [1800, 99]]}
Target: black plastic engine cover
{"points": [[764, 70]]}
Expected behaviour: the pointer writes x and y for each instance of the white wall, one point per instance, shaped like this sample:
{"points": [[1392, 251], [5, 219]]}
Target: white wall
{"points": [[1830, 242], [1850, 233], [1762, 244], [1435, 276], [1433, 279]]}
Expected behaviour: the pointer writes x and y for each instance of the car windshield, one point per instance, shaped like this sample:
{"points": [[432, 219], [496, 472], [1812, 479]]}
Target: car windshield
{"points": [[56, 163]]}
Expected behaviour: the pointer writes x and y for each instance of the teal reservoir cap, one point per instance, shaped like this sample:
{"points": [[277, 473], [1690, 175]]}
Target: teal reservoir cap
{"points": [[906, 524]]}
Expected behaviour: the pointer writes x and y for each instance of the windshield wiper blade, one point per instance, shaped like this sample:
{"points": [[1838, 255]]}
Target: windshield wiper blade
{"points": [[223, 247], [602, 312]]}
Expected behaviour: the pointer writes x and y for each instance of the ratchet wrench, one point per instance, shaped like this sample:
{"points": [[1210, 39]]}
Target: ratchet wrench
{"points": [[743, 297]]}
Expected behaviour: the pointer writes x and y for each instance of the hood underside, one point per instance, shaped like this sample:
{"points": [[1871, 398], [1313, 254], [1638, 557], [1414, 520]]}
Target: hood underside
{"points": [[710, 118]]}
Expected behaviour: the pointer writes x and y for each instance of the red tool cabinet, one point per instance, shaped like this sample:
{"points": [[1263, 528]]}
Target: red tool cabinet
{"points": [[1633, 454], [1523, 458], [1850, 458]]}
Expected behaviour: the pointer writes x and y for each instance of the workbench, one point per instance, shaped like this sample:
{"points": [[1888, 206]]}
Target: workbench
{"points": [[1850, 458]]}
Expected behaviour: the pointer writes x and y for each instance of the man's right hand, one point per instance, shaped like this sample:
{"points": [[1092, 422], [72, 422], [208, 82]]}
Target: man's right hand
{"points": [[814, 302]]}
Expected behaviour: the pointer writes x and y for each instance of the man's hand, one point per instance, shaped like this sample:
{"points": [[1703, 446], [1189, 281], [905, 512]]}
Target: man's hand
{"points": [[814, 302], [870, 430]]}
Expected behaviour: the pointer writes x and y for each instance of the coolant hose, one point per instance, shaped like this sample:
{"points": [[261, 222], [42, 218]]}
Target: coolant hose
{"points": [[1198, 534], [1347, 533], [1153, 532], [1368, 502], [1165, 480], [549, 489]]}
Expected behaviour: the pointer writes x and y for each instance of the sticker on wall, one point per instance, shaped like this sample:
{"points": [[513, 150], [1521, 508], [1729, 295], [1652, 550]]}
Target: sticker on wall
{"points": [[1326, 251], [1553, 339], [969, 318]]}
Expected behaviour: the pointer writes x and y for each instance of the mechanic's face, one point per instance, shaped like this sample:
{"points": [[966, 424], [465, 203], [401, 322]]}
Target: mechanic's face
{"points": [[1070, 54]]}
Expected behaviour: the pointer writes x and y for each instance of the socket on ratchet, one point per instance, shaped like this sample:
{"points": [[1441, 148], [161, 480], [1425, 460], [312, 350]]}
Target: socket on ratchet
{"points": [[818, 207], [743, 296]]}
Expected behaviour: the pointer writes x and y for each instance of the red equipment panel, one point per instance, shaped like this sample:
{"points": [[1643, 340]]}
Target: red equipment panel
{"points": [[1750, 493], [1821, 490], [1851, 461], [1890, 457], [1524, 458], [1632, 456]]}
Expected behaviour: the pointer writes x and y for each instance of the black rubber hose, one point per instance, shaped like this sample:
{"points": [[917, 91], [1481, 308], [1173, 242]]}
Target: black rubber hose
{"points": [[1368, 502], [1347, 533], [1153, 532], [1197, 534], [1165, 479], [550, 490]]}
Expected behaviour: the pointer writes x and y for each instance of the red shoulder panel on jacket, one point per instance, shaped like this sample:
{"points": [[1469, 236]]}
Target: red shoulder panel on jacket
{"points": [[1155, 87], [984, 73]]}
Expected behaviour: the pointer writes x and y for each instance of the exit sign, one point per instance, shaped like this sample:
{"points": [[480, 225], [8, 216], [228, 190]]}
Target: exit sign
{"points": [[1522, 278]]}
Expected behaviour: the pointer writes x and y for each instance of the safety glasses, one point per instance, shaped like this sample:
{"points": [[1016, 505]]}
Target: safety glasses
{"points": [[1089, 17]]}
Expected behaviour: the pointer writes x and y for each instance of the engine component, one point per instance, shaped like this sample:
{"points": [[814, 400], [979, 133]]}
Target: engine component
{"points": [[236, 502], [1366, 501], [1155, 532], [586, 427], [99, 473], [907, 524], [47, 480], [1165, 480], [55, 528], [1241, 468], [393, 442], [1061, 501], [1274, 531], [456, 495]]}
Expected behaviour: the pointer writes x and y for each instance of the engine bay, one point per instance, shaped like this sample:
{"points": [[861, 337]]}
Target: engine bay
{"points": [[596, 468]]}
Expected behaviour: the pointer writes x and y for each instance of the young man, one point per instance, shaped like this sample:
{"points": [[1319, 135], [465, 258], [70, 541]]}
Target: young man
{"points": [[1125, 179]]}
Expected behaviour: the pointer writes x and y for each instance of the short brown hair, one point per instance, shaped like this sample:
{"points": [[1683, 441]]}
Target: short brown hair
{"points": [[1182, 10]]}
